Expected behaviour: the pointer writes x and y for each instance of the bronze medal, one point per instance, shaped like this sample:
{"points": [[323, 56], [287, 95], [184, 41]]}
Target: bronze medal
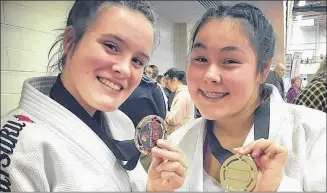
{"points": [[148, 131], [239, 173]]}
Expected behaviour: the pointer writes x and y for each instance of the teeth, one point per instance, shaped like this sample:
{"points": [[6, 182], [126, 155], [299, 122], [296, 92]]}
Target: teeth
{"points": [[110, 84], [214, 95]]}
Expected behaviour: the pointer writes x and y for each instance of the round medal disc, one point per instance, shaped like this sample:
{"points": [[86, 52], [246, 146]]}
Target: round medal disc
{"points": [[148, 131], [239, 173]]}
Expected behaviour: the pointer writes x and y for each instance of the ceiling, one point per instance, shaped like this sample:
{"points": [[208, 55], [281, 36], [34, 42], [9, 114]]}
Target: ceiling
{"points": [[179, 11], [311, 10], [190, 11]]}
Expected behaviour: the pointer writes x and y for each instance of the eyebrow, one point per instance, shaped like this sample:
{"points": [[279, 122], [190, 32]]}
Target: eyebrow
{"points": [[123, 42], [231, 48], [225, 49], [199, 45]]}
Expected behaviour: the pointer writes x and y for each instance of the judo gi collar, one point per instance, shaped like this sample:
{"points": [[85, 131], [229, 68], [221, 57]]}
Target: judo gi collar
{"points": [[261, 130], [123, 150]]}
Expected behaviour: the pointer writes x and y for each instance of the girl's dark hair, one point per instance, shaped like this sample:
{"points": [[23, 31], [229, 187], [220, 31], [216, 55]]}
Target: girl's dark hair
{"points": [[82, 14], [259, 30], [175, 73], [159, 77]]}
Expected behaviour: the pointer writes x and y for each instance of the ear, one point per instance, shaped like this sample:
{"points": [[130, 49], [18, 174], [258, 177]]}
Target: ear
{"points": [[68, 42], [265, 72]]}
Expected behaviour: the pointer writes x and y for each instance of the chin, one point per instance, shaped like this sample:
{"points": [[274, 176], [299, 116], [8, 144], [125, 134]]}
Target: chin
{"points": [[108, 108], [211, 116], [212, 113]]}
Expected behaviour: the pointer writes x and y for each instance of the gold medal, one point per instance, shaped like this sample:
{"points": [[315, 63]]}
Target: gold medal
{"points": [[148, 131], [239, 173]]}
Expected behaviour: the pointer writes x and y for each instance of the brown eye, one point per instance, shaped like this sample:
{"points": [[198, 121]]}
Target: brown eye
{"points": [[111, 47], [201, 59], [230, 61], [137, 61]]}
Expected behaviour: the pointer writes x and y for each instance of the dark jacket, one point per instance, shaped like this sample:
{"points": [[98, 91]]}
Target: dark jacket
{"points": [[197, 113], [277, 81], [170, 99], [146, 99], [167, 92]]}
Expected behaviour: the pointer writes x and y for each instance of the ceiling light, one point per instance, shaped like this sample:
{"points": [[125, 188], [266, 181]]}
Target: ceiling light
{"points": [[298, 17], [307, 22], [301, 3]]}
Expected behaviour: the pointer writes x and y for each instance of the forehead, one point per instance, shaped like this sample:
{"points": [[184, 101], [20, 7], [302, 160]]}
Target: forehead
{"points": [[131, 26], [223, 32], [280, 66]]}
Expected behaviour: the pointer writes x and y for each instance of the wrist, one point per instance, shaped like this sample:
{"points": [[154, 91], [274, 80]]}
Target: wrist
{"points": [[277, 182], [149, 187]]}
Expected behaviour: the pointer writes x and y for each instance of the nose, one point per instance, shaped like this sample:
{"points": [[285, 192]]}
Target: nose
{"points": [[122, 69], [213, 74]]}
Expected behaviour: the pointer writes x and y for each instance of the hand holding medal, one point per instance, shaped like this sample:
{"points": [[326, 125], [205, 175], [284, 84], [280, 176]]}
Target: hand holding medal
{"points": [[168, 167], [270, 159], [239, 172]]}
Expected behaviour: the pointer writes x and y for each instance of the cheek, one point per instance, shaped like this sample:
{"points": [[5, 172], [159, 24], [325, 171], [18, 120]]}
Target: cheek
{"points": [[91, 57], [96, 63], [135, 79], [194, 77], [241, 86]]}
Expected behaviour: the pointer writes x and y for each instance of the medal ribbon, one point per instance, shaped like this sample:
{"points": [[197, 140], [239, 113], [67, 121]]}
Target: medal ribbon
{"points": [[261, 130]]}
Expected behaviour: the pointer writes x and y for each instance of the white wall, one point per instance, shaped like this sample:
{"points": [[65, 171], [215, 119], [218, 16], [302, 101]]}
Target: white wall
{"points": [[180, 42], [27, 33], [163, 55], [274, 11], [308, 40], [26, 36]]}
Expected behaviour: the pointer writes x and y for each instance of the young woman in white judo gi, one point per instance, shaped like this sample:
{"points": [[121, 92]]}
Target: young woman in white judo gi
{"points": [[67, 134], [231, 52]]}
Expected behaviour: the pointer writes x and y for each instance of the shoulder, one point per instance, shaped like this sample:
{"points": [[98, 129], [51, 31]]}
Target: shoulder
{"points": [[317, 87], [27, 139], [183, 93], [270, 74], [181, 134], [311, 120], [313, 93], [291, 90], [24, 124], [118, 116], [122, 122], [26, 131]]}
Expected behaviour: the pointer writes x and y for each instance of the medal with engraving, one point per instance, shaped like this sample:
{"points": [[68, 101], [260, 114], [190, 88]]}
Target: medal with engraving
{"points": [[239, 172], [148, 131]]}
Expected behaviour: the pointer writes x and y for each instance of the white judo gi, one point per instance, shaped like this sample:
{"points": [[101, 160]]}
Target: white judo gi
{"points": [[300, 129], [45, 147]]}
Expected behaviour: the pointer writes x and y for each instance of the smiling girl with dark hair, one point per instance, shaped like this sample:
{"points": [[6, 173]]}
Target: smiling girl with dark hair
{"points": [[67, 134], [248, 138]]}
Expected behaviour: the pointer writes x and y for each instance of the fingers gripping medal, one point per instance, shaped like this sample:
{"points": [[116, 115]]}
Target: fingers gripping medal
{"points": [[239, 173], [148, 131]]}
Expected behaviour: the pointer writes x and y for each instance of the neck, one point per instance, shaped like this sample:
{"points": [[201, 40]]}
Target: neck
{"points": [[178, 85], [238, 125], [72, 90]]}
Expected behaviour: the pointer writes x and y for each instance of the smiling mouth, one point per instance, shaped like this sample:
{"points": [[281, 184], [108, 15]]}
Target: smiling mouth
{"points": [[214, 95], [110, 84]]}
